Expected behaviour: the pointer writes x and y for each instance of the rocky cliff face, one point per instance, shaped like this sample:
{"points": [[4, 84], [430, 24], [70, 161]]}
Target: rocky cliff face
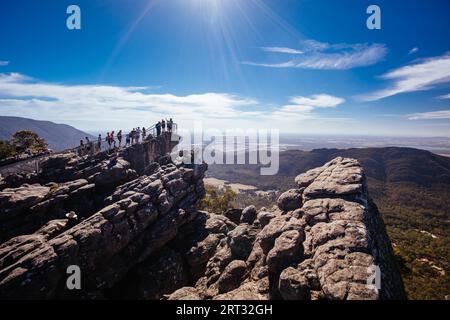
{"points": [[326, 240], [139, 235]]}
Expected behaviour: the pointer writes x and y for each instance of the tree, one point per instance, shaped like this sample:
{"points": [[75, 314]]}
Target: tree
{"points": [[28, 140], [6, 150], [218, 202]]}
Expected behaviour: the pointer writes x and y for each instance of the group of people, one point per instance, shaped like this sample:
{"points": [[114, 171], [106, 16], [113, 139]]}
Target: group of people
{"points": [[161, 126], [134, 136], [87, 147], [114, 140]]}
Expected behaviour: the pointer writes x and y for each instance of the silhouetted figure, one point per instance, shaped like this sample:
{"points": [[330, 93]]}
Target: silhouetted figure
{"points": [[113, 140], [163, 125], [81, 147], [132, 135], [108, 140], [88, 145], [170, 125], [158, 129], [99, 142], [138, 134], [144, 133], [119, 137], [72, 219], [127, 141]]}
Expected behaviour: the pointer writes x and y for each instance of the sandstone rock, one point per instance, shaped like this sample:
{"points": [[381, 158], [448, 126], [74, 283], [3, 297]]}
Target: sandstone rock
{"points": [[290, 200], [232, 276], [247, 291], [148, 240], [105, 245], [185, 293], [203, 251], [241, 241], [248, 215], [234, 215], [219, 224], [286, 250], [340, 177], [293, 285], [265, 217]]}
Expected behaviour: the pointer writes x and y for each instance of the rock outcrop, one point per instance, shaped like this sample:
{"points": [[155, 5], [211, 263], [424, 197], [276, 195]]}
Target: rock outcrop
{"points": [[326, 240], [137, 234]]}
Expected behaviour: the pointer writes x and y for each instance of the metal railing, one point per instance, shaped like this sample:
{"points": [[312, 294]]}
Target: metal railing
{"points": [[153, 132], [89, 149]]}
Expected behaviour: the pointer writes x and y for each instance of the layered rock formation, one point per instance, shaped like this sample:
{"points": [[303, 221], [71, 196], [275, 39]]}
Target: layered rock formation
{"points": [[69, 182], [326, 240], [139, 235]]}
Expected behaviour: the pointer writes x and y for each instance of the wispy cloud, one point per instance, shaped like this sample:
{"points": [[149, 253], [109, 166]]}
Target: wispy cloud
{"points": [[22, 94], [324, 56], [422, 75], [3, 63], [413, 50], [442, 114], [304, 106], [107, 105], [282, 50], [444, 97]]}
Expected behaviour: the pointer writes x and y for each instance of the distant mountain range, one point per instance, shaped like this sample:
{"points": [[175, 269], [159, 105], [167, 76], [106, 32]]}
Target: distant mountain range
{"points": [[58, 136], [388, 165], [411, 187]]}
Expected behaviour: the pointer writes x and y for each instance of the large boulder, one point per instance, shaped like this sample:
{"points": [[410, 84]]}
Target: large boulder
{"points": [[248, 215], [290, 200], [241, 241], [232, 276]]}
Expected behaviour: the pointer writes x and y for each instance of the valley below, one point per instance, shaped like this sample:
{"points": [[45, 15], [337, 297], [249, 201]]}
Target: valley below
{"points": [[411, 188]]}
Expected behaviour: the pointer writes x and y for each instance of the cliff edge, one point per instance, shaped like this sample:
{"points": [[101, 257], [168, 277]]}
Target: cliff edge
{"points": [[139, 235]]}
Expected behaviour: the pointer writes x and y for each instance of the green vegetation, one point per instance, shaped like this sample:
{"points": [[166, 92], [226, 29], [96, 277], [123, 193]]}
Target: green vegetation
{"points": [[28, 140], [6, 150], [412, 191], [217, 201], [417, 223], [21, 142]]}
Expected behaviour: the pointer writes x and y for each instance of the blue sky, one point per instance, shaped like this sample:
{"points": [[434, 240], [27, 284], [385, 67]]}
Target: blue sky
{"points": [[299, 66]]}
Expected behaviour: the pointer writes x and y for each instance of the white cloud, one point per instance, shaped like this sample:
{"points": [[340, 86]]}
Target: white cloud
{"points": [[444, 97], [22, 95], [319, 101], [413, 50], [442, 114], [423, 75], [304, 106], [3, 63], [96, 107], [282, 50], [325, 56]]}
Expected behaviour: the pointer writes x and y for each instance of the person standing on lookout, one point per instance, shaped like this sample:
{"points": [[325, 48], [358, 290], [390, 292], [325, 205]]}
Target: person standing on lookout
{"points": [[99, 143], [127, 141], [119, 137], [163, 125], [138, 134], [144, 133], [108, 140], [158, 129], [170, 125], [113, 140]]}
